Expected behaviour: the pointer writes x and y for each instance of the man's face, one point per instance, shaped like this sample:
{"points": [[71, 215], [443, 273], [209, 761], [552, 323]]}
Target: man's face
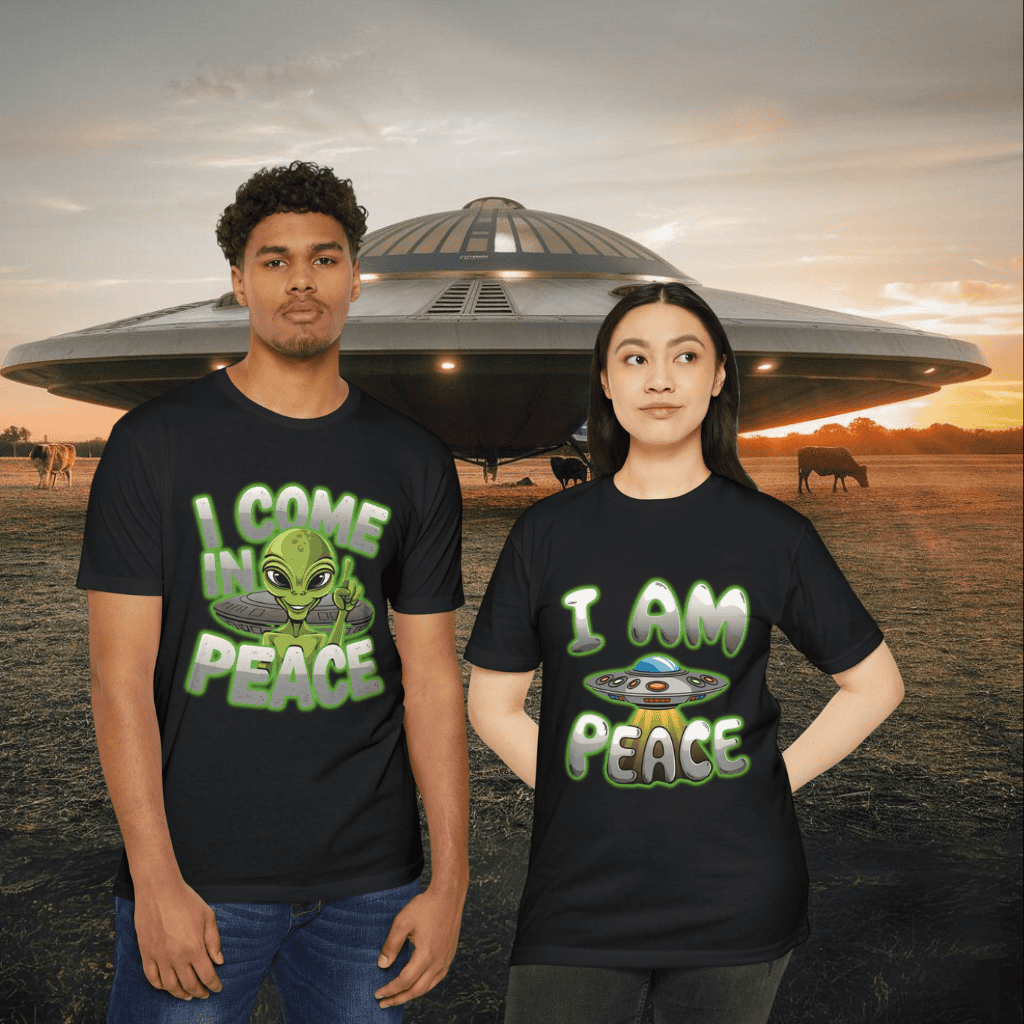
{"points": [[297, 280]]}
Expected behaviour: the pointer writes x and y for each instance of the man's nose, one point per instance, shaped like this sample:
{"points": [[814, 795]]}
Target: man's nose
{"points": [[301, 280]]}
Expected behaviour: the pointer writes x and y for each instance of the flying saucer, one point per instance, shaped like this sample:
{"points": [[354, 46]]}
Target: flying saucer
{"points": [[479, 323], [657, 682], [259, 612]]}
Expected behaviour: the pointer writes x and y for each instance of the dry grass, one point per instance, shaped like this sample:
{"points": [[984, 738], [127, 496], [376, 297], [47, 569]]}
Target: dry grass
{"points": [[913, 842]]}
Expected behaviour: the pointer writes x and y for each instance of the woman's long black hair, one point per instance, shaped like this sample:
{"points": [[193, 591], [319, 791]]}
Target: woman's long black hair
{"points": [[609, 442]]}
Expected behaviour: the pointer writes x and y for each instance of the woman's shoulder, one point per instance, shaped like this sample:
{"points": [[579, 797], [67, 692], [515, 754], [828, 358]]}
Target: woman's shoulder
{"points": [[764, 511], [560, 508]]}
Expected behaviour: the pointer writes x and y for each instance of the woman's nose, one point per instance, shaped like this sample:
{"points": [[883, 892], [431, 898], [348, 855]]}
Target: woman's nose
{"points": [[658, 378]]}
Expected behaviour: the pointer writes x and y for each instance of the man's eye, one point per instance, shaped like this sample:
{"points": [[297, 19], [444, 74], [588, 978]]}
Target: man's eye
{"points": [[276, 579], [321, 579], [324, 259], [273, 263]]}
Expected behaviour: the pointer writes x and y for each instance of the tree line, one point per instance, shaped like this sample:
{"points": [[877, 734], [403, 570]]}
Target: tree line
{"points": [[863, 437], [866, 437], [17, 442]]}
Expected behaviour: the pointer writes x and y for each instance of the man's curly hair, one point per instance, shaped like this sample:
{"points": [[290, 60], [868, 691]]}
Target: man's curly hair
{"points": [[301, 187]]}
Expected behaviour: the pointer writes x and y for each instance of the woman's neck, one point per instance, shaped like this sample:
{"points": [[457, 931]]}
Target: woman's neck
{"points": [[653, 472]]}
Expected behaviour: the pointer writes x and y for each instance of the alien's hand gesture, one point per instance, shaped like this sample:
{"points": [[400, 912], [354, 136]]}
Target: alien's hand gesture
{"points": [[349, 591]]}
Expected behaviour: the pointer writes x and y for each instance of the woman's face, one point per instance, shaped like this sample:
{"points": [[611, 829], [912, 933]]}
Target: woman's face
{"points": [[660, 375]]}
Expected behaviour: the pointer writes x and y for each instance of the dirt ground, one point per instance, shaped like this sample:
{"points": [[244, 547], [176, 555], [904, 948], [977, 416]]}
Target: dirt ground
{"points": [[913, 842]]}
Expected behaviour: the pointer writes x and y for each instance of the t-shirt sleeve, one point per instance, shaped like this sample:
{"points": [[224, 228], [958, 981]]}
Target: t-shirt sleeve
{"points": [[505, 637], [430, 575], [823, 617], [122, 546]]}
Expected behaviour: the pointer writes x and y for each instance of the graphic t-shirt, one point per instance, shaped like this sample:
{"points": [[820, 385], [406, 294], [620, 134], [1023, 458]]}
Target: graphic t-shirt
{"points": [[664, 833], [277, 545]]}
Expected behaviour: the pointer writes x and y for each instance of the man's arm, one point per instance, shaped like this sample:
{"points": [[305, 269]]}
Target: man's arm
{"points": [[435, 729], [868, 694], [496, 710], [177, 931]]}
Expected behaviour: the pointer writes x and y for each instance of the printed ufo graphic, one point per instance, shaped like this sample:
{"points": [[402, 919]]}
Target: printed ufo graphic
{"points": [[657, 682], [259, 612]]}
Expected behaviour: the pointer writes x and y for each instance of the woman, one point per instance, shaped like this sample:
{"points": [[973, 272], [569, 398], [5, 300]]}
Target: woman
{"points": [[665, 862]]}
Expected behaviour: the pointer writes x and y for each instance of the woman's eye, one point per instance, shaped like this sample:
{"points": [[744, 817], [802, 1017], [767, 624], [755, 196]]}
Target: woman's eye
{"points": [[634, 360], [686, 357], [277, 579], [321, 579]]}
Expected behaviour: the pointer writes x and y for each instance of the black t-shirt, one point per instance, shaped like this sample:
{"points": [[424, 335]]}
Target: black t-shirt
{"points": [[286, 774], [664, 833]]}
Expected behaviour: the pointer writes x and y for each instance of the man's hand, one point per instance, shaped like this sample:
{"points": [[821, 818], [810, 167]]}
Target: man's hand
{"points": [[179, 942], [431, 921]]}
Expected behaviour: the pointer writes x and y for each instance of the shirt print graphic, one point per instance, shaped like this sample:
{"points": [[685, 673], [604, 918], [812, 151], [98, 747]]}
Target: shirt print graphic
{"points": [[658, 744], [301, 605]]}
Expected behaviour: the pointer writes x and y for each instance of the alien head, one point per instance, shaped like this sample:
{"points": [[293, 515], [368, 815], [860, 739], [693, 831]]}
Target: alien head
{"points": [[298, 568]]}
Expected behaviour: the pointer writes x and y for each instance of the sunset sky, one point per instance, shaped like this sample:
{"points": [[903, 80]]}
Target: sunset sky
{"points": [[859, 155]]}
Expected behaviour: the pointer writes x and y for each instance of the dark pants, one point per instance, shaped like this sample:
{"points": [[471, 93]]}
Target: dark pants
{"points": [[539, 994]]}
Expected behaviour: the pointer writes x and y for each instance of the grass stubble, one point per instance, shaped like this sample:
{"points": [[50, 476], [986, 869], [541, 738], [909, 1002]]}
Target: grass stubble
{"points": [[913, 842]]}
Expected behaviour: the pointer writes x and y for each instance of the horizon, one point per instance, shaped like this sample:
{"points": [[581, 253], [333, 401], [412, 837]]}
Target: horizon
{"points": [[866, 161]]}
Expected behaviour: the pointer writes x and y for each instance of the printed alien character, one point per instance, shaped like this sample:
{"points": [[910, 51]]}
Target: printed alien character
{"points": [[299, 568]]}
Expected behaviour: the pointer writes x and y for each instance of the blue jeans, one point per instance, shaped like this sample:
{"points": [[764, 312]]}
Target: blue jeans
{"points": [[321, 956], [539, 994]]}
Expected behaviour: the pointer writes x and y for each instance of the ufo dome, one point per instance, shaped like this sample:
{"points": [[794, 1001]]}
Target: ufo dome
{"points": [[494, 235], [656, 663]]}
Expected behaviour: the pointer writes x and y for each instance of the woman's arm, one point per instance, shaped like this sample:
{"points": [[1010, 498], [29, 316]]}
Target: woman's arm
{"points": [[867, 695], [496, 702]]}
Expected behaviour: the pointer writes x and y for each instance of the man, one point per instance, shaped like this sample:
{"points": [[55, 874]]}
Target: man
{"points": [[258, 727]]}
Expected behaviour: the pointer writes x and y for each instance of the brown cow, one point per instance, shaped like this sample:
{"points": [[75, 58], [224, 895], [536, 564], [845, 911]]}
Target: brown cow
{"points": [[835, 462], [51, 461]]}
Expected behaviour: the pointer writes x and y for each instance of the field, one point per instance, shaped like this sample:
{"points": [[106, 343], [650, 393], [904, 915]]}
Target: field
{"points": [[913, 842]]}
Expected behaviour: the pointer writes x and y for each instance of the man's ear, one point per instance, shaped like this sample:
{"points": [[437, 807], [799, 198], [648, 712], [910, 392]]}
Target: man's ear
{"points": [[236, 284], [357, 283]]}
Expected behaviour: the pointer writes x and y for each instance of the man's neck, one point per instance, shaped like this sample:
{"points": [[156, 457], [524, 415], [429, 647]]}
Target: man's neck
{"points": [[302, 389]]}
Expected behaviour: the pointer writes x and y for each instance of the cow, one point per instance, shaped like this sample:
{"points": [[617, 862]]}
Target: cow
{"points": [[568, 469], [835, 462], [51, 461]]}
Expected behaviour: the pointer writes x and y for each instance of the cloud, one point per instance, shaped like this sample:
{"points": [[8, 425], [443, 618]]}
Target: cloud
{"points": [[285, 81], [26, 197], [53, 286], [56, 203], [657, 238], [745, 119], [967, 307], [943, 294]]}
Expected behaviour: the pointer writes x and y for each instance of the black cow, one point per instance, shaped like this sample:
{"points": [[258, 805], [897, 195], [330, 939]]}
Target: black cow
{"points": [[835, 462], [568, 469]]}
